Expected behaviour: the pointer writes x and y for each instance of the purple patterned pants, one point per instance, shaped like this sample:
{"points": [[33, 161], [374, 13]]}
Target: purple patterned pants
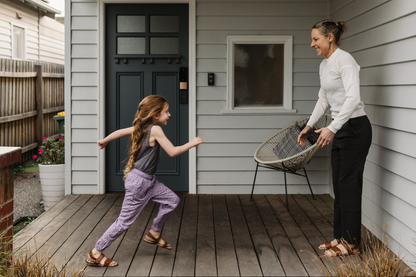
{"points": [[140, 188]]}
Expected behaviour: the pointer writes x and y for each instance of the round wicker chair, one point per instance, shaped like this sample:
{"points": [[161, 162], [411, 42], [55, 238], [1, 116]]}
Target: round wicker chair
{"points": [[266, 157]]}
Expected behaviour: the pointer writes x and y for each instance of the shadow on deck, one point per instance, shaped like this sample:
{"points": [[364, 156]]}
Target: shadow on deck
{"points": [[211, 235]]}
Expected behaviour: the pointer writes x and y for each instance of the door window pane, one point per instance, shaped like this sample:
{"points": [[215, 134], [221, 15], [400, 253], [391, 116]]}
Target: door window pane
{"points": [[164, 24], [164, 45], [18, 43], [131, 24], [258, 75], [131, 45]]}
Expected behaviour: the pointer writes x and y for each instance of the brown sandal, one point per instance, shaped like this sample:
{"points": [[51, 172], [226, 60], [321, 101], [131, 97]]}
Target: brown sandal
{"points": [[344, 250], [156, 241], [96, 261], [329, 245]]}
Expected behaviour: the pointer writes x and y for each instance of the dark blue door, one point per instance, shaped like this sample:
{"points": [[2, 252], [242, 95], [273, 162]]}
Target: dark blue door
{"points": [[146, 49]]}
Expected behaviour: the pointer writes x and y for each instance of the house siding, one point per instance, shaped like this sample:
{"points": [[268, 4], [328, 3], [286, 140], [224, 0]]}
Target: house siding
{"points": [[225, 161], [381, 37], [44, 36], [84, 97]]}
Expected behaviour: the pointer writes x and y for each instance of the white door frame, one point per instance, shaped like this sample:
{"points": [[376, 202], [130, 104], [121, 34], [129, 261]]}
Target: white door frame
{"points": [[191, 85]]}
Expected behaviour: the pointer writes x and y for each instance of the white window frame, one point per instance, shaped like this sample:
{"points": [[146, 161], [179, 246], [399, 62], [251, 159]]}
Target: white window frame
{"points": [[24, 41], [287, 41]]}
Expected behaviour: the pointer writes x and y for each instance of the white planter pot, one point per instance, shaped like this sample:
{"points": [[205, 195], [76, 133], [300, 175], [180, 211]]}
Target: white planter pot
{"points": [[52, 180]]}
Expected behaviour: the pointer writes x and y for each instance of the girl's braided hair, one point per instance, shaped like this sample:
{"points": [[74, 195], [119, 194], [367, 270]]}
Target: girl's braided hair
{"points": [[150, 106], [328, 26]]}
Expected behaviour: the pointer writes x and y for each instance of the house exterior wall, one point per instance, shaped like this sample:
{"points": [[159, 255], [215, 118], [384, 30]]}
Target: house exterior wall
{"points": [[82, 99], [44, 36], [225, 162], [382, 39]]}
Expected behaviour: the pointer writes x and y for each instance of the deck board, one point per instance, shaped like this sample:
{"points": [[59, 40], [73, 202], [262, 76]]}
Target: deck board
{"points": [[164, 259], [227, 264], [247, 258], [269, 261], [211, 235], [186, 249], [206, 264], [291, 263]]}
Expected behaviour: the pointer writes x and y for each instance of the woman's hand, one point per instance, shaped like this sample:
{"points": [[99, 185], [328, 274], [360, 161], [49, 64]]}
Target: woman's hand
{"points": [[325, 138], [304, 135], [102, 143]]}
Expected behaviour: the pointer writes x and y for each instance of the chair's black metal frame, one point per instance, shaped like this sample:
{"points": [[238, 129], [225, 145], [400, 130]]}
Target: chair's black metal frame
{"points": [[285, 170]]}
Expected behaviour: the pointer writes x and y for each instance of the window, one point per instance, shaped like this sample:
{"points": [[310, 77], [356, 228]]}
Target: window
{"points": [[18, 42], [156, 35], [259, 74]]}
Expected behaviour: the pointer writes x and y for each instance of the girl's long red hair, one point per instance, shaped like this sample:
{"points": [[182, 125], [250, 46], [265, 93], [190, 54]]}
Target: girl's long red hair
{"points": [[149, 107]]}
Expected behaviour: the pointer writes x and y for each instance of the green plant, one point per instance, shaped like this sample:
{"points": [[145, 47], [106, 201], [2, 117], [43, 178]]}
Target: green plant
{"points": [[6, 253], [26, 167], [377, 260], [52, 151], [24, 264], [29, 220]]}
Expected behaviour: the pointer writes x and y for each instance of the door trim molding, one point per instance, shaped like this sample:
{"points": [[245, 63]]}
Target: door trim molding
{"points": [[191, 87]]}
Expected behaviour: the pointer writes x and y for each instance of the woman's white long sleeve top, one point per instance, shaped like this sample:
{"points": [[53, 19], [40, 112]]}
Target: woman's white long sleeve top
{"points": [[340, 90]]}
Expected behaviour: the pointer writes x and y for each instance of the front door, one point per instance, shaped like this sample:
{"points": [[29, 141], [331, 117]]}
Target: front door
{"points": [[146, 53]]}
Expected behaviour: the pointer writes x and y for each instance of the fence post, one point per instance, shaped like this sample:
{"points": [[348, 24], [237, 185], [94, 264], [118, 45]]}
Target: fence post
{"points": [[39, 104]]}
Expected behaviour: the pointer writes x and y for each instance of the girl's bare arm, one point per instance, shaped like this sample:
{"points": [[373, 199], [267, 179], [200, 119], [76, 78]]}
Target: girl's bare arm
{"points": [[115, 135], [170, 149]]}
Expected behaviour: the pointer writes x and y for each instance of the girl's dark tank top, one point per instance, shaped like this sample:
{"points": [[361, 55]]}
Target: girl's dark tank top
{"points": [[148, 155]]}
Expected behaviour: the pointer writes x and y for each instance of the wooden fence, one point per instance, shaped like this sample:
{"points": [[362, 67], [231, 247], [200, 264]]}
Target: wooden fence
{"points": [[31, 93]]}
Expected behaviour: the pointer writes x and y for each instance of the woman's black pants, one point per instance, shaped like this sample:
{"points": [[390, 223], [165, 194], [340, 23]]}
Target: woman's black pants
{"points": [[349, 151]]}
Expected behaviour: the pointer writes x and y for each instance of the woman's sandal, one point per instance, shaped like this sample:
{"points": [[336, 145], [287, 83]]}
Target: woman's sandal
{"points": [[96, 261], [343, 249], [329, 244], [157, 241]]}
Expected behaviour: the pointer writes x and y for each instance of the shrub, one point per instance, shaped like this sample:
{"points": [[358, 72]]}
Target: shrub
{"points": [[52, 151]]}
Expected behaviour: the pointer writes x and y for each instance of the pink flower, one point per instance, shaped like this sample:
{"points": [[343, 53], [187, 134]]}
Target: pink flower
{"points": [[44, 138], [41, 151], [62, 138], [35, 157]]}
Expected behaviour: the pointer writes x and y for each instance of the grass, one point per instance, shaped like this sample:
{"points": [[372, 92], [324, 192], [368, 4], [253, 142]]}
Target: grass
{"points": [[376, 260], [30, 166], [23, 264]]}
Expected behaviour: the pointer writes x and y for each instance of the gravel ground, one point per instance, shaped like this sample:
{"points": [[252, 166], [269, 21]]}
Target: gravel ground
{"points": [[27, 195]]}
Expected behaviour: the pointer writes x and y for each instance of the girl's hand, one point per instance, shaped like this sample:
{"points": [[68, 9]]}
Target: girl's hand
{"points": [[196, 141], [304, 135], [102, 143], [325, 138]]}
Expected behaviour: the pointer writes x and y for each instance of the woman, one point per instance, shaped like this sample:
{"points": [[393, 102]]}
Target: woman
{"points": [[350, 132]]}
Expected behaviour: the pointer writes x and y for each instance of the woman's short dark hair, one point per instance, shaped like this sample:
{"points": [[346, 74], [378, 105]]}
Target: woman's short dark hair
{"points": [[328, 26]]}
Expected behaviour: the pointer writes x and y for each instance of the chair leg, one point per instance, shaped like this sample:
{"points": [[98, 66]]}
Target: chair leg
{"points": [[307, 179], [254, 182], [287, 202]]}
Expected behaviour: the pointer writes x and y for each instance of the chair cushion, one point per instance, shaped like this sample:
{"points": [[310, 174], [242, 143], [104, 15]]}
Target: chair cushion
{"points": [[313, 137], [289, 145]]}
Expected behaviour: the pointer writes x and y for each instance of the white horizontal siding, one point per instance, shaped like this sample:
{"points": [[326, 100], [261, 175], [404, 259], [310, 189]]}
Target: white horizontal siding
{"points": [[239, 164], [84, 163], [84, 93], [83, 30], [42, 33], [380, 39], [232, 139], [261, 189]]}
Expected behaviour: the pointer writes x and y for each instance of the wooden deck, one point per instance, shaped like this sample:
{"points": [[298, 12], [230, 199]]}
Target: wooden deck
{"points": [[211, 235]]}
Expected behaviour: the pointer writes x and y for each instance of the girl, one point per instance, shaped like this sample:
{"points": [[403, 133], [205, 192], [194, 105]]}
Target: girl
{"points": [[140, 184], [350, 132]]}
